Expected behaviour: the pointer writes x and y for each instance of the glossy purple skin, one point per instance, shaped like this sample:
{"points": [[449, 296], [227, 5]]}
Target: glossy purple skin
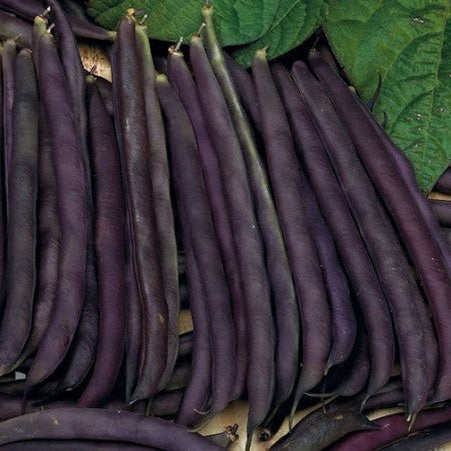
{"points": [[21, 266], [49, 241], [102, 424], [248, 241], [392, 267], [350, 246], [162, 204], [181, 78], [190, 191], [134, 147], [407, 173], [72, 204], [277, 261], [109, 244], [427, 258], [392, 427], [287, 186]]}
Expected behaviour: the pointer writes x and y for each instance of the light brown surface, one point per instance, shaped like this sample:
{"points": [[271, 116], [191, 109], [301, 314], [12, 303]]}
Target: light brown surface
{"points": [[237, 411]]}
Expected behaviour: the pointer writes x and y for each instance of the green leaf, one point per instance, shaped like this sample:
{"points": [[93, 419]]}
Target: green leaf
{"points": [[295, 21], [237, 21], [407, 42]]}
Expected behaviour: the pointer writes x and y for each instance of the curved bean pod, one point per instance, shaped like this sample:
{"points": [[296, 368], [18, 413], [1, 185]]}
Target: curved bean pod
{"points": [[248, 241], [161, 196], [411, 323], [349, 243], [423, 250], [72, 202], [392, 427], [141, 217], [22, 219], [109, 239], [190, 190], [442, 211], [180, 77], [285, 174], [101, 424]]}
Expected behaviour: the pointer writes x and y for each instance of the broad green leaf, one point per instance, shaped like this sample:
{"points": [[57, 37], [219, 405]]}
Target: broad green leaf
{"points": [[407, 42], [237, 21], [295, 21]]}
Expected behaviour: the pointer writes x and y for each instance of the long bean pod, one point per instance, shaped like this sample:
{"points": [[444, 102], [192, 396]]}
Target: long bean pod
{"points": [[22, 220], [411, 323], [180, 77], [424, 252], [287, 186], [138, 199], [109, 239], [248, 241], [102, 424], [349, 244], [161, 196], [72, 202], [190, 190]]}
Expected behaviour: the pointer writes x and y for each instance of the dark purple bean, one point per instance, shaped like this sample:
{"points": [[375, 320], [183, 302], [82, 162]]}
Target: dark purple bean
{"points": [[139, 204], [277, 258], [101, 424], [424, 252], [161, 196], [180, 77], [9, 55], [109, 245], [443, 184], [319, 429], [72, 202], [304, 261], [83, 29], [426, 439], [411, 323], [198, 390], [408, 174], [344, 325], [446, 232], [2, 190], [22, 220], [134, 324], [392, 427], [248, 242], [246, 90], [49, 241], [442, 211], [349, 244], [190, 191], [12, 27]]}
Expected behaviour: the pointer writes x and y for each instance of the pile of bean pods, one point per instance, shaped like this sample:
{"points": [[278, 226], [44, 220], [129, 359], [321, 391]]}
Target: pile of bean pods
{"points": [[269, 202]]}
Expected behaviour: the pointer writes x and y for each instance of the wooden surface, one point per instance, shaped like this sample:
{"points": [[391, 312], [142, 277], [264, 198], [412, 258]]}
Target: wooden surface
{"points": [[237, 411]]}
